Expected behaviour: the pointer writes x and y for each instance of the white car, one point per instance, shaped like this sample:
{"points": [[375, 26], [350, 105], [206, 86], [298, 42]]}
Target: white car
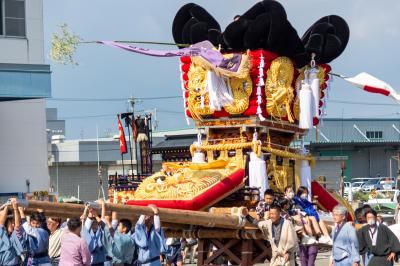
{"points": [[357, 186], [384, 196], [347, 186]]}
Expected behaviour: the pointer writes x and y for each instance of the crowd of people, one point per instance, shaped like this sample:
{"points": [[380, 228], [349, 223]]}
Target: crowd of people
{"points": [[285, 219], [293, 228], [92, 239], [289, 223]]}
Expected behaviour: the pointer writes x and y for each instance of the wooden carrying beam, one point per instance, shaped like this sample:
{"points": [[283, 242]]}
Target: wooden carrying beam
{"points": [[212, 233], [183, 217]]}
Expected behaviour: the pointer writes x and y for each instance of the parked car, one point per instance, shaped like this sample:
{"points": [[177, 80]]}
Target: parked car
{"points": [[357, 186], [387, 183], [361, 179], [347, 186], [372, 184], [384, 196], [378, 184]]}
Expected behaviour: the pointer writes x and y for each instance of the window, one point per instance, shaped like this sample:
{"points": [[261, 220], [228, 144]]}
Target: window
{"points": [[374, 134], [12, 18]]}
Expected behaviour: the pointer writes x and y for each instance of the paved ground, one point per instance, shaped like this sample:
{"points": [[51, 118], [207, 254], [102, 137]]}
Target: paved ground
{"points": [[322, 260]]}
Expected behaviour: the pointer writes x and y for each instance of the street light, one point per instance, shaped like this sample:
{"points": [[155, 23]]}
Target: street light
{"points": [[397, 179], [341, 181], [28, 184]]}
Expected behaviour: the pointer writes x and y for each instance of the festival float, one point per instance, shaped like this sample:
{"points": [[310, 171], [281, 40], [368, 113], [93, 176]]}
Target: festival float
{"points": [[253, 92]]}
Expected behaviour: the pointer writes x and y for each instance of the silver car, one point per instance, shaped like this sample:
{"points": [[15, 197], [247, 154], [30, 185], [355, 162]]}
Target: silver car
{"points": [[372, 184]]}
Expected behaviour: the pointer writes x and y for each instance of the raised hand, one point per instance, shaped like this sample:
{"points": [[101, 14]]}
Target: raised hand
{"points": [[154, 209], [14, 203]]}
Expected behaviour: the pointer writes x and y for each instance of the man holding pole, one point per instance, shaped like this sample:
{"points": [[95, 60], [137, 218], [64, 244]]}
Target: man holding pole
{"points": [[36, 238], [118, 239], [149, 239], [10, 243]]}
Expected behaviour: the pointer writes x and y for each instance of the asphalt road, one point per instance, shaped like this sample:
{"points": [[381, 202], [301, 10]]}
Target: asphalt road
{"points": [[322, 260]]}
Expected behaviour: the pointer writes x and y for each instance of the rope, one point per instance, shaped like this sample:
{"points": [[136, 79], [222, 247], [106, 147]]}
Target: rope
{"points": [[140, 42], [288, 154], [221, 147], [256, 147]]}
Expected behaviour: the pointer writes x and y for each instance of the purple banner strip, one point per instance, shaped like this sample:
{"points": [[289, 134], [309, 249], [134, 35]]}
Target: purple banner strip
{"points": [[204, 49]]}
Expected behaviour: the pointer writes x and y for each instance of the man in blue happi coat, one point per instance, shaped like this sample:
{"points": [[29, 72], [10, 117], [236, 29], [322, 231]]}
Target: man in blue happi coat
{"points": [[36, 239], [10, 244], [149, 239], [94, 236], [118, 238]]}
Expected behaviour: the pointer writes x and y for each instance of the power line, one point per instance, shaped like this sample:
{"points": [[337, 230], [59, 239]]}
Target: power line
{"points": [[160, 98], [55, 151], [111, 99], [363, 103], [87, 99], [87, 116], [391, 115], [179, 97], [115, 114]]}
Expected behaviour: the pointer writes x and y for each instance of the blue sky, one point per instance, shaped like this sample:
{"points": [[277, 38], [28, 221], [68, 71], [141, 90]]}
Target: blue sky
{"points": [[105, 72]]}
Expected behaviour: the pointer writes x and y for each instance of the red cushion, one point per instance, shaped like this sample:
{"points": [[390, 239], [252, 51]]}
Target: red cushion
{"points": [[325, 198], [210, 196]]}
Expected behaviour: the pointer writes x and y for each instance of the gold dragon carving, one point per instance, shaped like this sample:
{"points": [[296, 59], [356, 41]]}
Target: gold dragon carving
{"points": [[280, 174], [198, 98], [184, 181], [278, 88]]}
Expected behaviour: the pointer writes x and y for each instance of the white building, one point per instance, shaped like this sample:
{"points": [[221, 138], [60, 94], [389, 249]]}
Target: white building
{"points": [[73, 164], [24, 84]]}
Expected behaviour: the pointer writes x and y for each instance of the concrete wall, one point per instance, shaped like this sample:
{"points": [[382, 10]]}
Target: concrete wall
{"points": [[72, 176], [23, 142], [360, 165], [66, 152], [328, 166], [108, 151], [56, 127], [27, 50], [86, 151]]}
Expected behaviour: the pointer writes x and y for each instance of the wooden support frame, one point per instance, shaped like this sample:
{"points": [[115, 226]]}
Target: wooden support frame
{"points": [[243, 252]]}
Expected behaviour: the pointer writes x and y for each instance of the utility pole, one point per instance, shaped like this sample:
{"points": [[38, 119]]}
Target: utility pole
{"points": [[398, 171], [99, 170], [132, 101]]}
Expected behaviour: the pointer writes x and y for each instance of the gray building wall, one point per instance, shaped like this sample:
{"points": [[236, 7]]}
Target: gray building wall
{"points": [[366, 157], [108, 151], [72, 176], [338, 130], [363, 160], [74, 162], [23, 146], [329, 167], [51, 113], [54, 125]]}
